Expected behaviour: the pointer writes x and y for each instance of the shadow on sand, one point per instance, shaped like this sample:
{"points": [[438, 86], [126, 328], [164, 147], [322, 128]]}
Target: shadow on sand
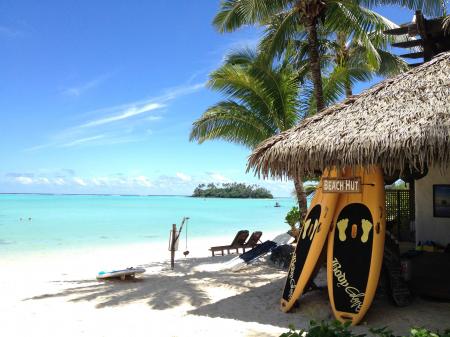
{"points": [[262, 305], [163, 288], [258, 289]]}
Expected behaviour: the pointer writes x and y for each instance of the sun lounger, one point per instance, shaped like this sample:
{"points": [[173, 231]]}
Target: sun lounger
{"points": [[238, 242], [258, 251], [253, 240], [254, 254]]}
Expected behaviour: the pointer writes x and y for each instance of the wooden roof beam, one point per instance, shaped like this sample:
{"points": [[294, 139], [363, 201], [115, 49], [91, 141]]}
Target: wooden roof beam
{"points": [[408, 44], [397, 31], [417, 55]]}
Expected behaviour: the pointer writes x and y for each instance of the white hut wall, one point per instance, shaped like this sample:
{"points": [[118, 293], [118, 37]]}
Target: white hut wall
{"points": [[432, 204]]}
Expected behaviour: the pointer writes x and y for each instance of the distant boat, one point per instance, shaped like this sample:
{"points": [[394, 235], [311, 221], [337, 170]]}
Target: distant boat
{"points": [[277, 204]]}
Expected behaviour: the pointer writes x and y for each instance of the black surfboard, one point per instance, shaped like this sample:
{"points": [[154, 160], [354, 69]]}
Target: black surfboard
{"points": [[352, 257]]}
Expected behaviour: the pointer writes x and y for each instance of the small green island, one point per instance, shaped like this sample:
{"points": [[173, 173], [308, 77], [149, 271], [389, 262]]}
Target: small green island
{"points": [[231, 190]]}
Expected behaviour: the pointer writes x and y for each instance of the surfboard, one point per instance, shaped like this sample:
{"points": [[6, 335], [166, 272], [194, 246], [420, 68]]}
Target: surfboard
{"points": [[355, 245], [311, 242], [122, 274]]}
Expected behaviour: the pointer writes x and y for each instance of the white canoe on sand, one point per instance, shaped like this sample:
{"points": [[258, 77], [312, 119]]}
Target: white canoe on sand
{"points": [[122, 274]]}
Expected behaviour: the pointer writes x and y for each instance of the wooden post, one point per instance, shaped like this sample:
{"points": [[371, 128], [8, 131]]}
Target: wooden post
{"points": [[399, 214], [172, 246]]}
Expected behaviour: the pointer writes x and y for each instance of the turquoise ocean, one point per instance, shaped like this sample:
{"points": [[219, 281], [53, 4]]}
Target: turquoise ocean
{"points": [[34, 222]]}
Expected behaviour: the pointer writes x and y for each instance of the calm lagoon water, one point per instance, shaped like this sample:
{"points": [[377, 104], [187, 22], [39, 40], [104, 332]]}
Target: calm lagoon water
{"points": [[50, 222]]}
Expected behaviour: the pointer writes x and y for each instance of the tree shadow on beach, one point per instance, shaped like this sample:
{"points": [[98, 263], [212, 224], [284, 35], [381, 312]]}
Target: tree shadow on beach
{"points": [[262, 305], [163, 288], [257, 291]]}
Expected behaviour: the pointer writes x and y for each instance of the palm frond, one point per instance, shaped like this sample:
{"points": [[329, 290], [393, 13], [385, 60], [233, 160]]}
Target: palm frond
{"points": [[428, 7], [391, 64], [360, 23], [307, 106], [233, 14], [230, 16], [334, 84], [282, 29], [233, 122], [446, 24], [237, 82], [262, 100], [349, 17], [243, 56]]}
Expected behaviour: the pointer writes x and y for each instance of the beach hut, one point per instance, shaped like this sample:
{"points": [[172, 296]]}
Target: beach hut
{"points": [[402, 123]]}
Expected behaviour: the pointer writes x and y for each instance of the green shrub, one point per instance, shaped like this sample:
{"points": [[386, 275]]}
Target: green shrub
{"points": [[338, 329], [292, 218], [322, 329]]}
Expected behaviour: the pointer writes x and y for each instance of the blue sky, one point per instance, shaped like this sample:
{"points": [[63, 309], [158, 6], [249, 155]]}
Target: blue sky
{"points": [[99, 96]]}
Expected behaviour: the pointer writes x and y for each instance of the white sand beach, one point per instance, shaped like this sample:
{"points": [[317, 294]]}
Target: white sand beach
{"points": [[56, 294]]}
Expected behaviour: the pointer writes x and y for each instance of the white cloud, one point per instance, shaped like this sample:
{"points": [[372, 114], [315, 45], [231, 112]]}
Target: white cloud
{"points": [[29, 181], [42, 180], [59, 181], [120, 181], [82, 88], [183, 177], [143, 181], [96, 182], [115, 122], [79, 181], [101, 181], [68, 181], [38, 147], [24, 180], [218, 178], [116, 182], [51, 178], [153, 118], [181, 91], [82, 141], [130, 112]]}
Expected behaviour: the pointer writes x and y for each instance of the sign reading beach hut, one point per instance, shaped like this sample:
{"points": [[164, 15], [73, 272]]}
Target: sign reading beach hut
{"points": [[352, 185]]}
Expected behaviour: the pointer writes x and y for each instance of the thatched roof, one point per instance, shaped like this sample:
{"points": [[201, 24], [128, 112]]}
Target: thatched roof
{"points": [[401, 120]]}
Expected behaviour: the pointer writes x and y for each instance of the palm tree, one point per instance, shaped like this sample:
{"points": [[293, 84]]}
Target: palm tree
{"points": [[352, 63], [262, 101], [344, 59], [340, 16], [345, 62]]}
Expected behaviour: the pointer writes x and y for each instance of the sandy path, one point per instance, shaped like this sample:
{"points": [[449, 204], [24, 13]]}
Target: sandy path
{"points": [[57, 295]]}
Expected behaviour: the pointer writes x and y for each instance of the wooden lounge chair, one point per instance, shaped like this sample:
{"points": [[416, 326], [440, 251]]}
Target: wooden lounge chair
{"points": [[238, 242], [253, 240]]}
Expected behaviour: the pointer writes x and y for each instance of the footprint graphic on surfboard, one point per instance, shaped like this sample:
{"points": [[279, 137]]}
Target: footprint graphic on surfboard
{"points": [[308, 231], [352, 253], [366, 226], [311, 241], [355, 245]]}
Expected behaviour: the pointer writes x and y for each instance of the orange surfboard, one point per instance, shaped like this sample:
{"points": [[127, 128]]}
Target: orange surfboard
{"points": [[356, 244], [310, 245]]}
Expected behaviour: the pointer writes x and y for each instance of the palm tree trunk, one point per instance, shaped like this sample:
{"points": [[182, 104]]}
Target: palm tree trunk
{"points": [[314, 59], [342, 56], [301, 198], [348, 88]]}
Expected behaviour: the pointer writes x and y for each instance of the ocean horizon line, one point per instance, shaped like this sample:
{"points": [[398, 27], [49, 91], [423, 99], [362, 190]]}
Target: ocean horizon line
{"points": [[97, 194], [122, 195]]}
